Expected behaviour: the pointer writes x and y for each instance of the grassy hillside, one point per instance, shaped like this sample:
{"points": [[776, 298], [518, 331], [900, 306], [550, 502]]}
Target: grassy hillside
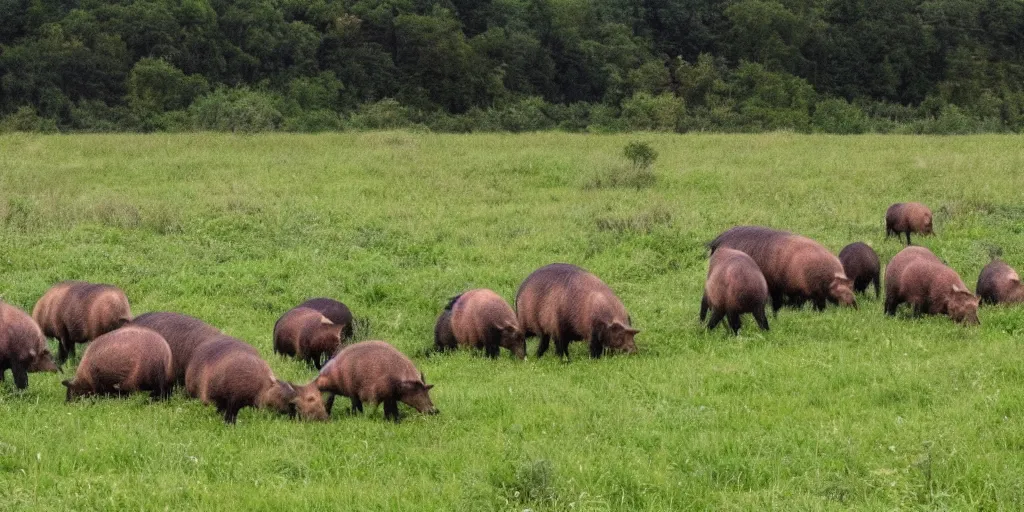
{"points": [[845, 408]]}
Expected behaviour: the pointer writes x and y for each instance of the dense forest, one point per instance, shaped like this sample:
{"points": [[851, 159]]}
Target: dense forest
{"points": [[841, 66]]}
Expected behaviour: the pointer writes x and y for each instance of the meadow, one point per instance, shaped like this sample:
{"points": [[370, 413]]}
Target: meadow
{"points": [[827, 411]]}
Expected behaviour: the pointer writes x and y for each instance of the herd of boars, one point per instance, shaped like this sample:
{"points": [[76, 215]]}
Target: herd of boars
{"points": [[750, 267]]}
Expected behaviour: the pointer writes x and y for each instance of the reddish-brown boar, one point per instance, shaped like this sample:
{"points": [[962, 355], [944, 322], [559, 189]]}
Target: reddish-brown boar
{"points": [[735, 285], [567, 303], [22, 346], [337, 312], [79, 312], [230, 374], [999, 282], [375, 372], [861, 264], [183, 334], [125, 360], [920, 279], [308, 335], [796, 268], [481, 319], [908, 218]]}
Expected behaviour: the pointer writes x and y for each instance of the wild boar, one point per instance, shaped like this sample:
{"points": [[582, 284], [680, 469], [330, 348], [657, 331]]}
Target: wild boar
{"points": [[481, 319], [861, 264], [734, 286], [308, 335], [908, 218], [79, 312], [22, 346], [122, 361]]}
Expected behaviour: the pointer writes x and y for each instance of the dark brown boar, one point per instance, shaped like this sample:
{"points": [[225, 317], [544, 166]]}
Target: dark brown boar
{"points": [[375, 372], [861, 264], [796, 268], [122, 361], [481, 319], [337, 312], [567, 303], [734, 286], [79, 312], [308, 335], [230, 374], [908, 218], [920, 279], [444, 337], [998, 283], [22, 346], [183, 334]]}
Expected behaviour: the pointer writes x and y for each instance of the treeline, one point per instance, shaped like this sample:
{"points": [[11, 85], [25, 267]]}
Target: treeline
{"points": [[840, 66]]}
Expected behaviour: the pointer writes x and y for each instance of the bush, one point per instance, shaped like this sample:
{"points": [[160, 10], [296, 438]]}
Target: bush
{"points": [[25, 119], [156, 86], [664, 112], [386, 114], [236, 110], [527, 115], [836, 115], [641, 154], [311, 121]]}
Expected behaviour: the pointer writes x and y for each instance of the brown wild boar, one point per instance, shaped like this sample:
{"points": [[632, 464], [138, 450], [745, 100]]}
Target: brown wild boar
{"points": [[861, 264], [444, 337], [567, 303], [481, 319], [230, 374], [337, 312], [734, 286], [126, 360], [183, 334], [928, 286], [306, 334], [22, 346], [79, 312], [375, 372], [796, 268], [998, 283], [908, 218]]}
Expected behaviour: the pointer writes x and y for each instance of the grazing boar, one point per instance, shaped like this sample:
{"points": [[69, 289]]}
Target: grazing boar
{"points": [[22, 346], [307, 335], [861, 264], [444, 337], [230, 374], [567, 303], [481, 319], [335, 311], [126, 360], [998, 282], [734, 286], [796, 268], [908, 218], [917, 277], [183, 334], [79, 312], [375, 372]]}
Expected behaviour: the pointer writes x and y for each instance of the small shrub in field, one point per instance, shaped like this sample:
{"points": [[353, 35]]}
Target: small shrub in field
{"points": [[386, 114], [637, 175], [641, 154], [836, 115]]}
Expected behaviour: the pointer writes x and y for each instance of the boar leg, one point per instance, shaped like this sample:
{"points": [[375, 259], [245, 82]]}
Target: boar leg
{"points": [[820, 303], [776, 303], [596, 346], [562, 347], [492, 342], [231, 413], [703, 307], [20, 373], [62, 352], [391, 410], [357, 406], [877, 280], [908, 237], [716, 317], [734, 322], [543, 345], [329, 404], [762, 320]]}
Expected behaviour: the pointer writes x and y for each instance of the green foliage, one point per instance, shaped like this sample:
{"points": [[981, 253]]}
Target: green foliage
{"points": [[25, 119], [522, 65], [236, 110], [383, 115], [640, 154]]}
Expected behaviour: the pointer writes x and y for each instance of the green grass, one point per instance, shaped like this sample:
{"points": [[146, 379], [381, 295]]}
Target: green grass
{"points": [[829, 410]]}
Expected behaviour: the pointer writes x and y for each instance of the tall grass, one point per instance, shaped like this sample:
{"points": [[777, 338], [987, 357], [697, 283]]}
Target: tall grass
{"points": [[834, 410]]}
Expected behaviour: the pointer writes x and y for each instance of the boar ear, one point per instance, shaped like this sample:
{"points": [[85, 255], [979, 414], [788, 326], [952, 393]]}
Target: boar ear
{"points": [[428, 387], [632, 331], [66, 383], [325, 321], [1015, 279]]}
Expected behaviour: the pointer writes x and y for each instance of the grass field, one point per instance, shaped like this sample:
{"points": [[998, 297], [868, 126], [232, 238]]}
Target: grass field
{"points": [[834, 410]]}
